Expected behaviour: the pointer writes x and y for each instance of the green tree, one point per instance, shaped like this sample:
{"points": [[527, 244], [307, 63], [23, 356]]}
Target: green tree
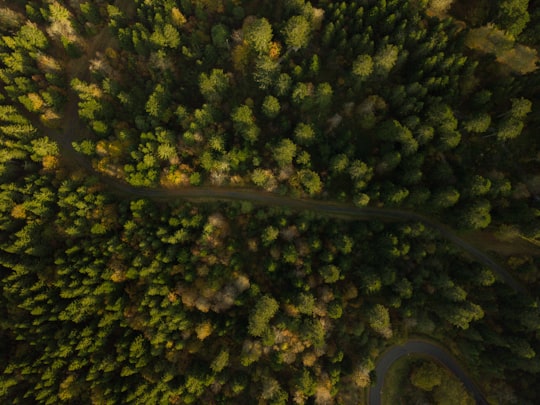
{"points": [[270, 107], [477, 215], [284, 152], [244, 122], [379, 320], [330, 273], [266, 71], [509, 128], [156, 106], [31, 37], [478, 186], [306, 304], [521, 107], [259, 177], [340, 163], [362, 66], [478, 123], [452, 392], [269, 235], [264, 310], [221, 361], [446, 198], [385, 59], [323, 95], [258, 34], [311, 181], [304, 134], [214, 85], [220, 36], [426, 376], [305, 383], [283, 84], [513, 15], [297, 32]]}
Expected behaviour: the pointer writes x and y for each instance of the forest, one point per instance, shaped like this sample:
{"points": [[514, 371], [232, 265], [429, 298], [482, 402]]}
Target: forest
{"points": [[249, 202]]}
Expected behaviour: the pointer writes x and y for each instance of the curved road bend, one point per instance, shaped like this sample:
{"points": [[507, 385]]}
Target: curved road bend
{"points": [[421, 347]]}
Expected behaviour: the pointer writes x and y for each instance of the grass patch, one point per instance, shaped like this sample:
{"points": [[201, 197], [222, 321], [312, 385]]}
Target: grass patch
{"points": [[396, 380]]}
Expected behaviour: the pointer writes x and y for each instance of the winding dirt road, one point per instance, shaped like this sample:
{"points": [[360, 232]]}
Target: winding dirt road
{"points": [[425, 348]]}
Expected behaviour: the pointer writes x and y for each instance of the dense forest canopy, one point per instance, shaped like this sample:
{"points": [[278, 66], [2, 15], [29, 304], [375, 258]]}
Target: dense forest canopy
{"points": [[350, 131]]}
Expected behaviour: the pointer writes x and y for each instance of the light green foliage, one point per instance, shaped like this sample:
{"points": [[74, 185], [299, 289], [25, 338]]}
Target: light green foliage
{"points": [[477, 216], [166, 151], [340, 163], [270, 107], [379, 320], [283, 84], [44, 146], [311, 181], [462, 316], [452, 392], [306, 304], [259, 177], [446, 198], [31, 37], [330, 273], [302, 93], [266, 70], [479, 186], [221, 361], [479, 123], [284, 152], [509, 129], [513, 15], [166, 36], [264, 310], [296, 32], [427, 376], [269, 235], [244, 122], [358, 170], [304, 134], [213, 86], [324, 95], [258, 33], [157, 102], [521, 107], [305, 383], [363, 66], [385, 59]]}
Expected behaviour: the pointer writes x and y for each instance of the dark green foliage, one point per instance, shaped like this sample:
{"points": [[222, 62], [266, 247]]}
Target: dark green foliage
{"points": [[264, 310], [116, 289]]}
